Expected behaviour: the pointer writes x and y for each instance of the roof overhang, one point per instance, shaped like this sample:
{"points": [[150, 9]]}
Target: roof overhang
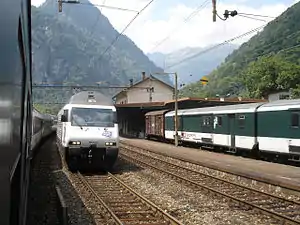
{"points": [[190, 103], [140, 105]]}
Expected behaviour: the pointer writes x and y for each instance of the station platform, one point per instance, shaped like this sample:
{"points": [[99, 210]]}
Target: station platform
{"points": [[272, 173]]}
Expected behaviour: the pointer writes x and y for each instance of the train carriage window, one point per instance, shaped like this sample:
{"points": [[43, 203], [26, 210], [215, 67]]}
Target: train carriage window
{"points": [[206, 121], [219, 120], [241, 121], [66, 112], [203, 121], [295, 120]]}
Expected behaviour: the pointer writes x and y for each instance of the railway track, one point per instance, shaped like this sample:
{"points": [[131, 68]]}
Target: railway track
{"points": [[123, 204], [280, 208], [120, 204]]}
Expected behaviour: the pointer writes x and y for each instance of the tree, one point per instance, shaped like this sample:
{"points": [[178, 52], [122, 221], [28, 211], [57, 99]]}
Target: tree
{"points": [[268, 74]]}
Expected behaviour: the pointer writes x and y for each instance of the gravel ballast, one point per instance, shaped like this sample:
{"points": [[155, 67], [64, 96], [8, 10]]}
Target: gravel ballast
{"points": [[42, 193], [46, 174], [188, 204], [264, 187]]}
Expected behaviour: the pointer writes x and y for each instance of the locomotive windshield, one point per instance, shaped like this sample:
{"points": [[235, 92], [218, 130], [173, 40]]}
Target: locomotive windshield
{"points": [[92, 117]]}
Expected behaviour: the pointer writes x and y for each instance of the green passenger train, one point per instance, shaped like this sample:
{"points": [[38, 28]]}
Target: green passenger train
{"points": [[262, 129]]}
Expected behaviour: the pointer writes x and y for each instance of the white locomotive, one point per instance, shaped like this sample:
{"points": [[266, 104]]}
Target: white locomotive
{"points": [[87, 131]]}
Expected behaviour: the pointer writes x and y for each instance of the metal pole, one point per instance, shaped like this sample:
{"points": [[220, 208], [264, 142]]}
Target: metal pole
{"points": [[176, 111]]}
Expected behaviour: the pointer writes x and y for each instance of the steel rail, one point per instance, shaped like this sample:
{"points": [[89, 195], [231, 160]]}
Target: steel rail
{"points": [[87, 184], [164, 169], [161, 214], [294, 188]]}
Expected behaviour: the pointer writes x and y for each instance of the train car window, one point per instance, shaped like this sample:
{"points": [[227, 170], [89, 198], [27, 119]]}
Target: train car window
{"points": [[203, 121], [206, 121], [295, 120], [37, 125], [66, 113], [220, 120], [241, 121]]}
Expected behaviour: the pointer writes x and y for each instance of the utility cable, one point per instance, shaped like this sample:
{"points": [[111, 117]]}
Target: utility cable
{"points": [[121, 33], [90, 4], [103, 3], [109, 7], [98, 17], [272, 43], [216, 46], [233, 13], [266, 54], [251, 18], [249, 14], [188, 18]]}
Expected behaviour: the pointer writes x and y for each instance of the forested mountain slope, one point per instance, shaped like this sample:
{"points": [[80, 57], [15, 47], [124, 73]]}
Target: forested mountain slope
{"points": [[68, 48], [264, 57]]}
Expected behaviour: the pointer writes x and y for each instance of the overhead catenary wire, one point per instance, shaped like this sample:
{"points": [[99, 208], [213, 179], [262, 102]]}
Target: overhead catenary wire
{"points": [[103, 3], [98, 17], [216, 46], [292, 35], [109, 7], [233, 13], [249, 17], [188, 18], [270, 53], [75, 2], [250, 14], [93, 5], [121, 33]]}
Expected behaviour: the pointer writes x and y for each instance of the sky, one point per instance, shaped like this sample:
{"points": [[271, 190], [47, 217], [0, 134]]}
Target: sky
{"points": [[165, 19]]}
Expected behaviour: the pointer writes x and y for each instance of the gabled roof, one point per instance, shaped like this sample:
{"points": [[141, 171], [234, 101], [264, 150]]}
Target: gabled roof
{"points": [[147, 78], [97, 98]]}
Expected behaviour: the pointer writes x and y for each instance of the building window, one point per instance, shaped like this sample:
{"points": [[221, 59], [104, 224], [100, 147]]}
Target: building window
{"points": [[284, 96], [295, 120], [151, 89], [241, 121]]}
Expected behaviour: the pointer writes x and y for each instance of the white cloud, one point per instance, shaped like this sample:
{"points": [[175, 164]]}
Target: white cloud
{"points": [[37, 2], [146, 31]]}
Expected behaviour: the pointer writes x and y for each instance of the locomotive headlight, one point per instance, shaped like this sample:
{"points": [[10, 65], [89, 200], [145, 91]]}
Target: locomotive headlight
{"points": [[110, 143], [75, 143]]}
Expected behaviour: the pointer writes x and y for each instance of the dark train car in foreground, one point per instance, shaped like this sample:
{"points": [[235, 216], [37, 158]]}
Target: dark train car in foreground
{"points": [[15, 109], [155, 124]]}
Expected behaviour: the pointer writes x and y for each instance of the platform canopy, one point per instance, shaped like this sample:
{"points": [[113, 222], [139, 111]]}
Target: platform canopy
{"points": [[184, 103]]}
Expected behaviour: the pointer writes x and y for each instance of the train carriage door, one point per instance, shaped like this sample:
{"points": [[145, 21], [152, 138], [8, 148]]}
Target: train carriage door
{"points": [[148, 125], [158, 125], [231, 130], [64, 125], [207, 129], [152, 124]]}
